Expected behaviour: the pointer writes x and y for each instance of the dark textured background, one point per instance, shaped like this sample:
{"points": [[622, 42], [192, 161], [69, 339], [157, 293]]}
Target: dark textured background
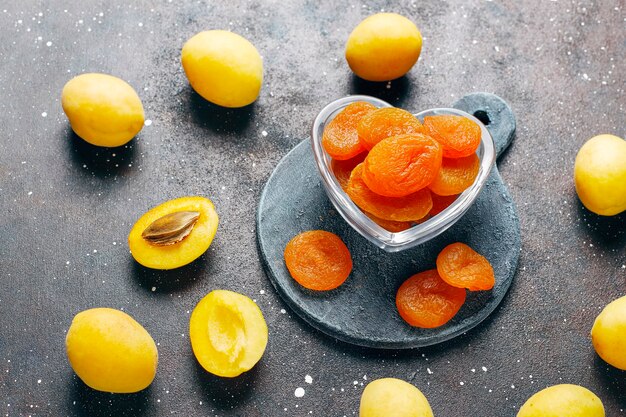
{"points": [[67, 207]]}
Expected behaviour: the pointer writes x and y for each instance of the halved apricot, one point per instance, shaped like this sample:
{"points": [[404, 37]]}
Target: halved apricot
{"points": [[455, 175], [228, 333], [409, 208], [386, 122], [463, 267], [173, 241], [401, 165], [341, 139], [425, 300], [318, 260], [458, 135], [343, 169]]}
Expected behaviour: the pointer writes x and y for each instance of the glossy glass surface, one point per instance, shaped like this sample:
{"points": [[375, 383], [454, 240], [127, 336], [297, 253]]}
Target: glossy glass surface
{"points": [[393, 242]]}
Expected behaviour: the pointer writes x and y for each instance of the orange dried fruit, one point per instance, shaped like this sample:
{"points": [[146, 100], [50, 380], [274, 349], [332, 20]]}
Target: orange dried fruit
{"points": [[425, 300], [401, 165], [341, 139], [404, 209], [458, 135], [386, 122], [425, 218], [343, 169], [455, 175], [440, 203], [463, 267], [390, 225], [318, 260]]}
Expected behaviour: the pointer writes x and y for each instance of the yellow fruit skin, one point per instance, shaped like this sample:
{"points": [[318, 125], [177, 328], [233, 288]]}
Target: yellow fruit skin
{"points": [[102, 109], [390, 397], [228, 333], [600, 175], [110, 351], [608, 333], [383, 47], [184, 252], [563, 400], [223, 67]]}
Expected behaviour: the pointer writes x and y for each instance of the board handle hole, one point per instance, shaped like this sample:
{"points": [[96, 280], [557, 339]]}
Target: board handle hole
{"points": [[482, 116]]}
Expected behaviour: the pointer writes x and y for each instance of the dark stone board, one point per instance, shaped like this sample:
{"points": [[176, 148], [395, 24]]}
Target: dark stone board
{"points": [[557, 63], [362, 311]]}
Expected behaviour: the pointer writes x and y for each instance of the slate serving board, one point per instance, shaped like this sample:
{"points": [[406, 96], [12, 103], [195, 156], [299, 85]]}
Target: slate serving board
{"points": [[362, 311]]}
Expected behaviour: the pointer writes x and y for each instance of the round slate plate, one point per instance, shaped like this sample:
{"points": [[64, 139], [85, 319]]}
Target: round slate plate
{"points": [[362, 311]]}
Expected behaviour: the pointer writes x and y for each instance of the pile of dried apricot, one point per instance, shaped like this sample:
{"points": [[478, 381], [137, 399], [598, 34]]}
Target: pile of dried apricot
{"points": [[431, 298], [396, 169], [319, 260]]}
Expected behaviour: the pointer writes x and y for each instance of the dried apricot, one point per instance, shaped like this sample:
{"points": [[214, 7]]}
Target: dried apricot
{"points": [[463, 267], [318, 260], [386, 122], [426, 301], [390, 225], [341, 139], [401, 165], [409, 208], [343, 169], [458, 135], [455, 175], [440, 203]]}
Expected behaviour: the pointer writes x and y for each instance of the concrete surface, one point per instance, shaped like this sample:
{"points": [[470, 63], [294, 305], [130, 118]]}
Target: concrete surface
{"points": [[67, 207]]}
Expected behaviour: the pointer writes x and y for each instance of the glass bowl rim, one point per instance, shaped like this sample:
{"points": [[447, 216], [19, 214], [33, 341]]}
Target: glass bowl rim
{"points": [[352, 214]]}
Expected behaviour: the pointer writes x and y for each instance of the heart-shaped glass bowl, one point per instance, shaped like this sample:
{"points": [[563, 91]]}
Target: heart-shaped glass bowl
{"points": [[419, 233]]}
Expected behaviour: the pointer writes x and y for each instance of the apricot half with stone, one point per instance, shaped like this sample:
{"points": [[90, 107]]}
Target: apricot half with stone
{"points": [[174, 233], [228, 333]]}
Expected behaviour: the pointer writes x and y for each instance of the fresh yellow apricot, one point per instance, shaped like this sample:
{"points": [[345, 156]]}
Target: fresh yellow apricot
{"points": [[600, 175], [110, 351], [228, 333], [383, 47], [223, 67], [391, 397], [563, 400], [102, 109], [174, 233], [608, 333]]}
